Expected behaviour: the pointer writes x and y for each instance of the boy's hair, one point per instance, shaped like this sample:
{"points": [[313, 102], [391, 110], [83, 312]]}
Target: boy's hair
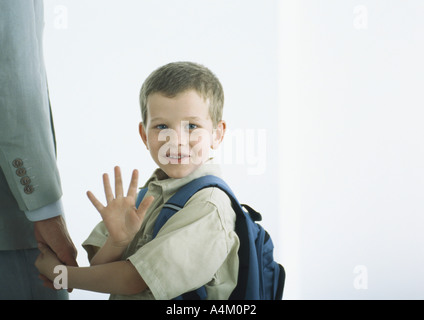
{"points": [[177, 77]]}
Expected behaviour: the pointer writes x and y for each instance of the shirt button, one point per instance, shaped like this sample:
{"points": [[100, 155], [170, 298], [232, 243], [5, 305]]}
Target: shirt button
{"points": [[29, 189], [17, 163], [20, 172], [25, 180]]}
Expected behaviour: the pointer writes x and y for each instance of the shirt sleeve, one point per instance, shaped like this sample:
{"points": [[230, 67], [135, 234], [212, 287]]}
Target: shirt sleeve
{"points": [[187, 252], [50, 211], [95, 240]]}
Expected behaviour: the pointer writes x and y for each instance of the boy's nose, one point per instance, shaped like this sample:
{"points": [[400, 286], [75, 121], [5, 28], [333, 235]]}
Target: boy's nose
{"points": [[175, 137], [183, 134]]}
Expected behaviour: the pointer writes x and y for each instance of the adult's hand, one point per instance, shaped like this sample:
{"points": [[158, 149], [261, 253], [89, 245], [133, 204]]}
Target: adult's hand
{"points": [[53, 233]]}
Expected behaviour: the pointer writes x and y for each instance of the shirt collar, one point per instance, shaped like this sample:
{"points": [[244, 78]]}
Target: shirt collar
{"points": [[159, 182]]}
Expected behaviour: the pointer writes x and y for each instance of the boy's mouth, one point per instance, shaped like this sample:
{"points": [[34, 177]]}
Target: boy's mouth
{"points": [[178, 158]]}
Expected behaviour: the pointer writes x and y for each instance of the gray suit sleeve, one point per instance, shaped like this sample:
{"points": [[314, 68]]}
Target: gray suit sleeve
{"points": [[27, 142]]}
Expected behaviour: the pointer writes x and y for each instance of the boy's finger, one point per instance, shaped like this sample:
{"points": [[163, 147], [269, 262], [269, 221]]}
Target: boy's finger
{"points": [[132, 190], [96, 203], [108, 188], [119, 190], [144, 205]]}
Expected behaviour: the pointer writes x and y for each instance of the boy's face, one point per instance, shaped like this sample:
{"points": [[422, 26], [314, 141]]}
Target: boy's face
{"points": [[179, 132]]}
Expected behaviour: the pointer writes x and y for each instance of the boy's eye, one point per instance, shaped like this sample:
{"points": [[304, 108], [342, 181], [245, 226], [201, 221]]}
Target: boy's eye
{"points": [[191, 126]]}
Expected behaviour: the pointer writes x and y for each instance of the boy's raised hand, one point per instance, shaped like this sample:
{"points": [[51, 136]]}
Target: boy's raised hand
{"points": [[120, 216]]}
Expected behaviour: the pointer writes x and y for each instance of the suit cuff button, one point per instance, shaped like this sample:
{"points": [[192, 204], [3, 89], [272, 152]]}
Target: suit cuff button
{"points": [[21, 172], [29, 189], [17, 163], [25, 181]]}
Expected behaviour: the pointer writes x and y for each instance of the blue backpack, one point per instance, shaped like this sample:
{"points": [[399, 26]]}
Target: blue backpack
{"points": [[260, 277]]}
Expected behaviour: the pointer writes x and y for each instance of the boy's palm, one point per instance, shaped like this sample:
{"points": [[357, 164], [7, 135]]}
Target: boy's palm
{"points": [[121, 218]]}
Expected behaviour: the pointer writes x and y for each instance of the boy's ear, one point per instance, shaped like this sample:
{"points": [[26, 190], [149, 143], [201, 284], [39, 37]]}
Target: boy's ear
{"points": [[143, 134], [218, 134]]}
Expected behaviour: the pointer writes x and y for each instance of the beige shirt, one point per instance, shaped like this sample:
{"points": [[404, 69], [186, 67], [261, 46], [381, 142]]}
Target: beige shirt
{"points": [[197, 246]]}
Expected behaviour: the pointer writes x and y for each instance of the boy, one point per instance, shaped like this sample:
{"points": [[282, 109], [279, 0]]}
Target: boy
{"points": [[181, 106]]}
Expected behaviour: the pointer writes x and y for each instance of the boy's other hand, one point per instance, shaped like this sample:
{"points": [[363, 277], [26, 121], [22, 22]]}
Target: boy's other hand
{"points": [[121, 218], [45, 263]]}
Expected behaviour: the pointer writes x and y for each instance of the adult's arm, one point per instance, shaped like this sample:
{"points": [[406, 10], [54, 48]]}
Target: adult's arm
{"points": [[27, 139]]}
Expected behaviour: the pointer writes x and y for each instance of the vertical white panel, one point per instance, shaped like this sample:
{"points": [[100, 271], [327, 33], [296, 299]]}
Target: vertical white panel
{"points": [[357, 149], [288, 119]]}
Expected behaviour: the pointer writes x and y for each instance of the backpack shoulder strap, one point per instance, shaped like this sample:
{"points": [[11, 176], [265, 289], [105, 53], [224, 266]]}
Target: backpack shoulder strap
{"points": [[187, 191], [179, 199], [140, 196]]}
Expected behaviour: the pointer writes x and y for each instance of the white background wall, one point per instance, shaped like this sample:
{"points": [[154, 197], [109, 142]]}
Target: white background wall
{"points": [[322, 102], [351, 111]]}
